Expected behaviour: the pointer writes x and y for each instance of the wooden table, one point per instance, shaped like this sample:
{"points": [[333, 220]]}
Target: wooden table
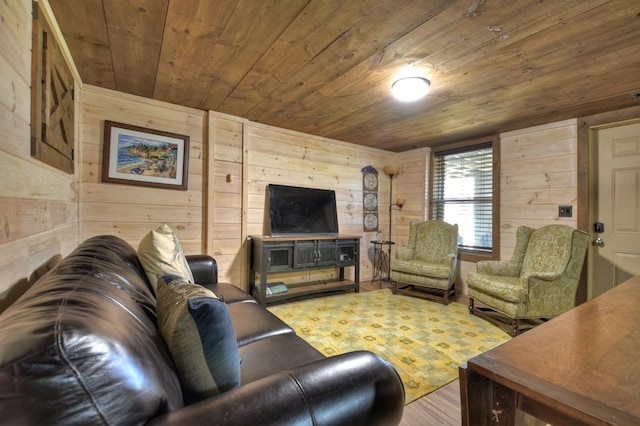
{"points": [[579, 368]]}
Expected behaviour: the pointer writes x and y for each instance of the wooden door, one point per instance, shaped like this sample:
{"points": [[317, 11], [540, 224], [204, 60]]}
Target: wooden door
{"points": [[615, 252]]}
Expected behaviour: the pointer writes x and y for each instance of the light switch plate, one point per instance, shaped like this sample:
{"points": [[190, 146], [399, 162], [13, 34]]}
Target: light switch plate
{"points": [[565, 211]]}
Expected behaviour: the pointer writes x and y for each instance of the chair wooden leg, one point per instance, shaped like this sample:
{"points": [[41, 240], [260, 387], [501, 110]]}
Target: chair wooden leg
{"points": [[508, 325], [515, 327], [436, 295], [451, 291]]}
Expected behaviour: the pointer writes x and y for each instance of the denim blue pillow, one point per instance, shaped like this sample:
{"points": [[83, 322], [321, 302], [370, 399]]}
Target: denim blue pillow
{"points": [[198, 331]]}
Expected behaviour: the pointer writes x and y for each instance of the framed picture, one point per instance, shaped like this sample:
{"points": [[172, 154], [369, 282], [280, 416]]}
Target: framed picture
{"points": [[139, 156]]}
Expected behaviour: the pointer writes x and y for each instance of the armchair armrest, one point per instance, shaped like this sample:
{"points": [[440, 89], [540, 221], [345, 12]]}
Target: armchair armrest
{"points": [[204, 268], [504, 268], [357, 388], [405, 254], [452, 261], [545, 276], [449, 259]]}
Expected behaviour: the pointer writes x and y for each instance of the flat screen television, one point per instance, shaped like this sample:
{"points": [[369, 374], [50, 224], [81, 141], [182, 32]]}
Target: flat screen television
{"points": [[306, 211]]}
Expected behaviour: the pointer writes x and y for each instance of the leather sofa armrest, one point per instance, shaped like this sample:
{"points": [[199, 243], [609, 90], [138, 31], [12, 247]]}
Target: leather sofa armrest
{"points": [[357, 388], [204, 268], [205, 272]]}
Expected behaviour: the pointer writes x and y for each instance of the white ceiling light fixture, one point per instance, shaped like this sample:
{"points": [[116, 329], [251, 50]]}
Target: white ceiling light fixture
{"points": [[410, 89]]}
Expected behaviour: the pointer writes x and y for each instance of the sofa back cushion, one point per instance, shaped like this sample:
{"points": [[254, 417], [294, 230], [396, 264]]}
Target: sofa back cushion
{"points": [[82, 347], [549, 250], [434, 241]]}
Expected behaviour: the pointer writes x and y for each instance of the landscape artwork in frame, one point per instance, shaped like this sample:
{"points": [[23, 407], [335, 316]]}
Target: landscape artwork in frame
{"points": [[140, 156]]}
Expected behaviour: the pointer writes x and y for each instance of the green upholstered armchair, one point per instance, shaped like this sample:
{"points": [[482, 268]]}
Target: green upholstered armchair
{"points": [[538, 283], [427, 266]]}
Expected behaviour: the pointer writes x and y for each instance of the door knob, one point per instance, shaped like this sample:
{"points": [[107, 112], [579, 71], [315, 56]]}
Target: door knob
{"points": [[598, 242]]}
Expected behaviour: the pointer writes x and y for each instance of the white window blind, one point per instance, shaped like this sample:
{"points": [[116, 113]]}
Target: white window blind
{"points": [[463, 194]]}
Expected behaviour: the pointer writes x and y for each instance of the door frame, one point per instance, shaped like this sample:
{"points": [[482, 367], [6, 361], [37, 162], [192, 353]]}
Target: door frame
{"points": [[586, 126]]}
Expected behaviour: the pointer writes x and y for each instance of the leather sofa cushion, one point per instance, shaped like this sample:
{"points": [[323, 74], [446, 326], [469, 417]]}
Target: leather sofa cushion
{"points": [[253, 322], [98, 256], [78, 349], [264, 357], [100, 361]]}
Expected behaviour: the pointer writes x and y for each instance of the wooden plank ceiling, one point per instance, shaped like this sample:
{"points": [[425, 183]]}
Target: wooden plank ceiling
{"points": [[325, 67]]}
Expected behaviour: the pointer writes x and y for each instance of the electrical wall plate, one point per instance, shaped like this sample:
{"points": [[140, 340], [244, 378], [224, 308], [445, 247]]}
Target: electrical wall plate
{"points": [[565, 211]]}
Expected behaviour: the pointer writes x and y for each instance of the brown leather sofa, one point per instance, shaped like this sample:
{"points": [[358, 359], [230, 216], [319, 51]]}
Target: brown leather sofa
{"points": [[82, 347]]}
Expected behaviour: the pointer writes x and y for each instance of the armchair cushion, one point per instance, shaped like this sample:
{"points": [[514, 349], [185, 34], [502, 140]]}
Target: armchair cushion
{"points": [[506, 288], [436, 270]]}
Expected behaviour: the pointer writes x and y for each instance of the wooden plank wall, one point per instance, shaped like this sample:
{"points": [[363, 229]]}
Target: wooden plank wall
{"points": [[248, 156], [38, 204], [226, 196], [227, 218], [411, 184], [280, 156], [538, 173], [130, 211]]}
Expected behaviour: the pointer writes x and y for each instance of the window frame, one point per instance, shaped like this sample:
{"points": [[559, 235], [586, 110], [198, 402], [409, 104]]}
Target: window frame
{"points": [[471, 255]]}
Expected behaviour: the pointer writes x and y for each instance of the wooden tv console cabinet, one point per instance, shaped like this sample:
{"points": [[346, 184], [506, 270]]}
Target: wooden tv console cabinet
{"points": [[281, 255]]}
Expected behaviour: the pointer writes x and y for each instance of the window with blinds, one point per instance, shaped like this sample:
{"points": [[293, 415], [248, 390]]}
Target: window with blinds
{"points": [[462, 193]]}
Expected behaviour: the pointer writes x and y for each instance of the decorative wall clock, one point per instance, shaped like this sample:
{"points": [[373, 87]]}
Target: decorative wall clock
{"points": [[371, 221], [370, 198], [370, 201], [370, 181]]}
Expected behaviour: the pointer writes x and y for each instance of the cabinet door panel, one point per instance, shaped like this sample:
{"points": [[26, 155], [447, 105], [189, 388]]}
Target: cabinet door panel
{"points": [[347, 253], [279, 258], [304, 254], [327, 253]]}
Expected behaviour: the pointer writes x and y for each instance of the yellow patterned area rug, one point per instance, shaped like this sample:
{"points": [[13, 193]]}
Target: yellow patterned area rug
{"points": [[425, 341]]}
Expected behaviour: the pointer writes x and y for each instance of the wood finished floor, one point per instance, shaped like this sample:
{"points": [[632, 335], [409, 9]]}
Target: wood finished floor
{"points": [[439, 408]]}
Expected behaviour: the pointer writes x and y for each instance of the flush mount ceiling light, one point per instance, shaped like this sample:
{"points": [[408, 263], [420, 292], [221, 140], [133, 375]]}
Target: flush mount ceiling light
{"points": [[409, 89]]}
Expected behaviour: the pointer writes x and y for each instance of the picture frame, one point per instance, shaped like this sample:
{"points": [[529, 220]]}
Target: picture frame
{"points": [[135, 155]]}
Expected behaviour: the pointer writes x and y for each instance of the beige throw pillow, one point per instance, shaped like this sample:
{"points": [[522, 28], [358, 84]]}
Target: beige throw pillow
{"points": [[160, 254]]}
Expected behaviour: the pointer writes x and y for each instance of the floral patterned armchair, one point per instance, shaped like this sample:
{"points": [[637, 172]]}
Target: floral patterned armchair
{"points": [[538, 283], [427, 266]]}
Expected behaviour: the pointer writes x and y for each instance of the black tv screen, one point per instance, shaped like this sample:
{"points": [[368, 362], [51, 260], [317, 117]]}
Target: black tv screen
{"points": [[297, 210]]}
